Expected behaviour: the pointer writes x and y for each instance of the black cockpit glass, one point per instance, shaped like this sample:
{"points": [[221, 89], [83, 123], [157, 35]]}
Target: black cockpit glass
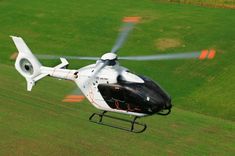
{"points": [[147, 97]]}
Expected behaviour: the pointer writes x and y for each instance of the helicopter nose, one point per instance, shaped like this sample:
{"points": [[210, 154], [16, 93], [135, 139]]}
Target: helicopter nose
{"points": [[168, 105], [166, 109], [161, 105]]}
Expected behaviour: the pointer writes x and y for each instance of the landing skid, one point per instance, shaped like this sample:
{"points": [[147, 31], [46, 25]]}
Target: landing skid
{"points": [[132, 122]]}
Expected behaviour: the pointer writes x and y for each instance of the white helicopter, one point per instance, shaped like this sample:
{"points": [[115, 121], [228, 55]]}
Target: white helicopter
{"points": [[107, 85]]}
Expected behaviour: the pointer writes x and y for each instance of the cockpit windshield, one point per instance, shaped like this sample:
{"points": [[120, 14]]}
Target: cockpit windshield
{"points": [[147, 97], [147, 89]]}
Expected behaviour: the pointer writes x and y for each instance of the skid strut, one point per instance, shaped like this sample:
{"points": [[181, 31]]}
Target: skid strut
{"points": [[132, 122]]}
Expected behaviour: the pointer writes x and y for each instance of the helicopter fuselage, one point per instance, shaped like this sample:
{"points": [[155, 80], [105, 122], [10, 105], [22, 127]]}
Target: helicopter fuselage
{"points": [[116, 89]]}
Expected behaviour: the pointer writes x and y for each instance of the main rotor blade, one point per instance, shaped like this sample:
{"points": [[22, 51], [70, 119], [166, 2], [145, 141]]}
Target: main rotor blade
{"points": [[75, 96], [126, 28], [99, 68], [96, 71], [205, 54], [53, 57]]}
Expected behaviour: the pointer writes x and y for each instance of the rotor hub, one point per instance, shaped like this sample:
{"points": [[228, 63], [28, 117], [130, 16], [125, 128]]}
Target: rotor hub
{"points": [[109, 56]]}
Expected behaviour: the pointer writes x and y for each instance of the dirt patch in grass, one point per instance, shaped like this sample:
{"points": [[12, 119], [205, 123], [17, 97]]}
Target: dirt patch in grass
{"points": [[166, 43]]}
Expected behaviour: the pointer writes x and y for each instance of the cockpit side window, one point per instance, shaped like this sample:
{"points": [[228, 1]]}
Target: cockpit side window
{"points": [[117, 93]]}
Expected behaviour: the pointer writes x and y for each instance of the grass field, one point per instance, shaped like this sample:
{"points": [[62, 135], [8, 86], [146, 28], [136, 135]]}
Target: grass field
{"points": [[38, 123], [209, 3]]}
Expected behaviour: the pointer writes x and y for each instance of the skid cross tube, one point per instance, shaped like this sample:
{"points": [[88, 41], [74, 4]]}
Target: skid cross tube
{"points": [[132, 122]]}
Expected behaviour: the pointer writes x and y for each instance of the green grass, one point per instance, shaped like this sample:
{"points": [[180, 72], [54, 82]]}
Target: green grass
{"points": [[211, 3], [38, 123]]}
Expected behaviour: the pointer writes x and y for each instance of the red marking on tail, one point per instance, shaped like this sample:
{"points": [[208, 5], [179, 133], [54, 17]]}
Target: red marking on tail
{"points": [[211, 54], [203, 54], [131, 19]]}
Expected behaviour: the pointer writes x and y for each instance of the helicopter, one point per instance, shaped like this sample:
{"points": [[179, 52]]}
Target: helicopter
{"points": [[108, 86]]}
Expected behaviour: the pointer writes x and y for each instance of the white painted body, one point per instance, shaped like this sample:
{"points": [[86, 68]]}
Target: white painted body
{"points": [[82, 77], [89, 88], [109, 75]]}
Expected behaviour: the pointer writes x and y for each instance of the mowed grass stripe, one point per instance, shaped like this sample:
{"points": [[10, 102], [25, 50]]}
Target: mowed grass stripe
{"points": [[50, 127]]}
